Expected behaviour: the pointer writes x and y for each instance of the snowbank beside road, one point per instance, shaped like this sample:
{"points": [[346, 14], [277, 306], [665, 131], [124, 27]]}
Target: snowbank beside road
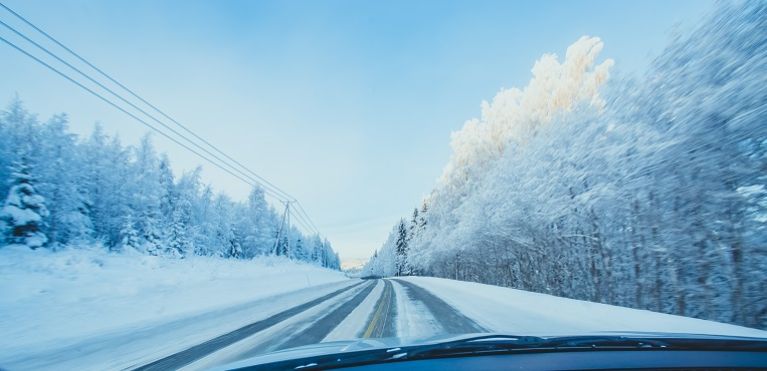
{"points": [[52, 298], [513, 311]]}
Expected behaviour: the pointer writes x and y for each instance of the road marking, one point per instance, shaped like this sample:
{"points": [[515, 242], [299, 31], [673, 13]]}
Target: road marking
{"points": [[320, 328], [196, 352], [385, 298]]}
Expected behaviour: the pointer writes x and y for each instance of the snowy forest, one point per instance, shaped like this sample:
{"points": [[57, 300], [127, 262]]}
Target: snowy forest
{"points": [[61, 191], [646, 192]]}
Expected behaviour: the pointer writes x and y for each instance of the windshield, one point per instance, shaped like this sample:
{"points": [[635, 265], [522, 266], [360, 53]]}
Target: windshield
{"points": [[194, 184]]}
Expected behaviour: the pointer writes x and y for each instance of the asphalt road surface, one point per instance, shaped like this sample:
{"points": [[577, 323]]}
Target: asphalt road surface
{"points": [[367, 309]]}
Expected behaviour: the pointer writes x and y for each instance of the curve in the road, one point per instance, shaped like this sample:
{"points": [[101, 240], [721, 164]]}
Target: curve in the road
{"points": [[451, 320], [185, 357]]}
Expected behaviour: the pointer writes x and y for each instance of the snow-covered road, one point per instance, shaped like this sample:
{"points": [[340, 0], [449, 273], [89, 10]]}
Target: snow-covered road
{"points": [[411, 307], [367, 309], [419, 307]]}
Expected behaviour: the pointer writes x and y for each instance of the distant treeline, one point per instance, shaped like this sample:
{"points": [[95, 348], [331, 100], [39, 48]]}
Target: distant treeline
{"points": [[60, 191]]}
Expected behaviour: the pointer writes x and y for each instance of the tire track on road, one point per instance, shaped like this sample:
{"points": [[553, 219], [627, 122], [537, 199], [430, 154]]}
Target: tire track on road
{"points": [[320, 329], [451, 320], [185, 357]]}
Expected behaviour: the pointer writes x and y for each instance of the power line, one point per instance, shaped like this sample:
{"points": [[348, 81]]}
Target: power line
{"points": [[301, 221], [280, 194], [307, 225], [302, 213], [106, 100], [272, 193], [268, 187], [301, 207], [304, 221]]}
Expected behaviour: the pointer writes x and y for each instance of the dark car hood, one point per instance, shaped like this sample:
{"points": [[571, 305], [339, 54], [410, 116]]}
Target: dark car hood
{"points": [[393, 344], [334, 347]]}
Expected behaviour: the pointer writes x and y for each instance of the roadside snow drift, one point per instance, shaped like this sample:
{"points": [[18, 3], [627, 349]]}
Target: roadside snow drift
{"points": [[51, 300]]}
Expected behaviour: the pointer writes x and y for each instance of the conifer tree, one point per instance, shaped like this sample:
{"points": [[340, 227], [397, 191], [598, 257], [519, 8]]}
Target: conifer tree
{"points": [[24, 211]]}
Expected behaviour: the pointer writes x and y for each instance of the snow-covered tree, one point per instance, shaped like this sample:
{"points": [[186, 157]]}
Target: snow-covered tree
{"points": [[105, 166], [125, 197], [259, 227], [24, 213], [647, 193], [179, 243], [401, 249], [146, 196], [129, 239], [62, 184], [233, 247]]}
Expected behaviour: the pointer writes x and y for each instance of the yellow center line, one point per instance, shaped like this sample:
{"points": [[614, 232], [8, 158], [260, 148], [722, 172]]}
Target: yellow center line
{"points": [[377, 315]]}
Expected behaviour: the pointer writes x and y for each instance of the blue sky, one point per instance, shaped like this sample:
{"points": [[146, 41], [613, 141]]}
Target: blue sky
{"points": [[347, 105]]}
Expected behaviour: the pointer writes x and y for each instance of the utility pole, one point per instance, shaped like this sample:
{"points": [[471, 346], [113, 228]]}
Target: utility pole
{"points": [[285, 218], [287, 233]]}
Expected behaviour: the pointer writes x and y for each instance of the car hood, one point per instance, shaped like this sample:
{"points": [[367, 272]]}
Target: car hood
{"points": [[334, 347], [393, 344]]}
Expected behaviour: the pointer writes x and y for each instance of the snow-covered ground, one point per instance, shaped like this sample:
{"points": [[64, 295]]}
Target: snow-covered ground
{"points": [[51, 302], [513, 311]]}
